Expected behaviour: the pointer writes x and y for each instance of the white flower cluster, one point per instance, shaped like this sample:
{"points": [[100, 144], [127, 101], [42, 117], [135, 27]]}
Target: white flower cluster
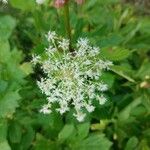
{"points": [[73, 79], [4, 1]]}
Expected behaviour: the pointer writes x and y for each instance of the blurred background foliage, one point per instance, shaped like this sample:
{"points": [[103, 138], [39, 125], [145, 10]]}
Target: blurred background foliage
{"points": [[122, 30]]}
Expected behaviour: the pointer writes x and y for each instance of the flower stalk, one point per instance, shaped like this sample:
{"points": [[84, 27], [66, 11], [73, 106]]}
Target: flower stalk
{"points": [[67, 24]]}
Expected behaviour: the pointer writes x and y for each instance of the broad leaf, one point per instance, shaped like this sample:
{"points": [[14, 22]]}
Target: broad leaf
{"points": [[8, 104], [115, 54], [7, 24], [23, 4], [83, 130], [132, 143], [93, 142], [66, 132], [4, 145]]}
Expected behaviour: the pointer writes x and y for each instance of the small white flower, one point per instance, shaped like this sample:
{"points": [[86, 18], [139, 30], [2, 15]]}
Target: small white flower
{"points": [[51, 50], [80, 116], [35, 59], [90, 108], [45, 109], [103, 87], [40, 1], [102, 100], [108, 64], [82, 42], [63, 107], [94, 51], [64, 44], [51, 36]]}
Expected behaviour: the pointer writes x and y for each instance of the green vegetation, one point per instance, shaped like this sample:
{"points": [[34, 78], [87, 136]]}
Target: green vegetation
{"points": [[123, 35]]}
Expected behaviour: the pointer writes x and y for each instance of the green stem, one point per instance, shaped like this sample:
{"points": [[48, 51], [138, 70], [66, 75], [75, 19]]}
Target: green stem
{"points": [[67, 23]]}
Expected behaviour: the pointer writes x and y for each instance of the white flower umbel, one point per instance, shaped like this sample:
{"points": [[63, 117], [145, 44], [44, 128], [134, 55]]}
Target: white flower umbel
{"points": [[73, 80]]}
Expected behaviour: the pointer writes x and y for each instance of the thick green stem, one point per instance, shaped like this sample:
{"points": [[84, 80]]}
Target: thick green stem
{"points": [[67, 23]]}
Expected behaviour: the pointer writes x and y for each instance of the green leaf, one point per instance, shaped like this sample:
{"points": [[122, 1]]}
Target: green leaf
{"points": [[144, 70], [27, 137], [26, 68], [145, 24], [52, 123], [132, 143], [8, 104], [3, 85], [125, 113], [4, 145], [111, 40], [4, 51], [7, 24], [16, 56], [115, 54], [108, 78], [3, 130], [23, 4], [42, 142], [122, 72], [10, 63], [132, 33], [93, 142], [138, 111], [15, 132], [66, 132], [83, 130], [144, 145]]}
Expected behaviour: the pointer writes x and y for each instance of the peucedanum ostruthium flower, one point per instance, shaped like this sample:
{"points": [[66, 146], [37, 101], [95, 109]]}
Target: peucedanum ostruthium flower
{"points": [[73, 79]]}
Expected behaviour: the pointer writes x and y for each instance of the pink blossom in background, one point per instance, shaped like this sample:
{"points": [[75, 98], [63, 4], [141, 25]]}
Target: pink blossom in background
{"points": [[61, 3]]}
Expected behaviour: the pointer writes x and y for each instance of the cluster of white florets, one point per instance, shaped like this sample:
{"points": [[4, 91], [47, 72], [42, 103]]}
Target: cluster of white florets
{"points": [[73, 78]]}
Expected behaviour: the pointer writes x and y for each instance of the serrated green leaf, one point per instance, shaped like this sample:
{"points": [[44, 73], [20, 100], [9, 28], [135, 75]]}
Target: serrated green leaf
{"points": [[42, 142], [83, 130], [4, 51], [8, 104], [66, 132], [93, 142], [115, 54], [121, 72], [111, 40], [132, 143], [7, 24], [23, 4]]}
